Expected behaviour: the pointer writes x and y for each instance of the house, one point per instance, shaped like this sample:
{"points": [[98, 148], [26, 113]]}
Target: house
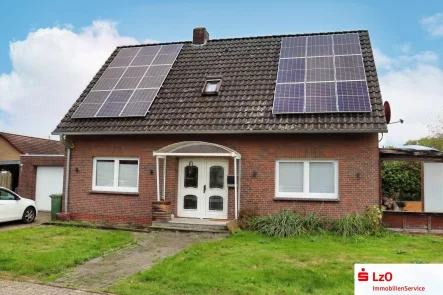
{"points": [[33, 167], [214, 126]]}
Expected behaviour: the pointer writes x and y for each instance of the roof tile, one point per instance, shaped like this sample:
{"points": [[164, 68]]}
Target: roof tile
{"points": [[248, 67]]}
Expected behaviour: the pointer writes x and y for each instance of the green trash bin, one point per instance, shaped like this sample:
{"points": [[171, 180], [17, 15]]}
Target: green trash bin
{"points": [[56, 205]]}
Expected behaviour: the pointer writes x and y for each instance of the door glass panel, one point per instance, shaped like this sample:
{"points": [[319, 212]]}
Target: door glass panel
{"points": [[190, 202], [191, 176], [216, 177], [216, 203]]}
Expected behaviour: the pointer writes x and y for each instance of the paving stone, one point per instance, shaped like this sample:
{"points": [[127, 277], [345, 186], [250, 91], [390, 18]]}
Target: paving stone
{"points": [[22, 288], [103, 272]]}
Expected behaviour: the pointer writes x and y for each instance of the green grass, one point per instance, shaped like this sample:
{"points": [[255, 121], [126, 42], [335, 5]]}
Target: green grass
{"points": [[249, 263], [45, 253]]}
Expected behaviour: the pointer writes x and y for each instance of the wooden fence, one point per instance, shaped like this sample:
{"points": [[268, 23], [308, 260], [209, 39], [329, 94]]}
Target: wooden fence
{"points": [[419, 222], [6, 179]]}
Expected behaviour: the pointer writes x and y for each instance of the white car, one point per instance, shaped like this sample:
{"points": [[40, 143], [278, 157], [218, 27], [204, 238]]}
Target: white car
{"points": [[13, 207]]}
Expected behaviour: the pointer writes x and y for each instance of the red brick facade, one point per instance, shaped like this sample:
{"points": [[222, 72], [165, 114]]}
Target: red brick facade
{"points": [[355, 153], [28, 172]]}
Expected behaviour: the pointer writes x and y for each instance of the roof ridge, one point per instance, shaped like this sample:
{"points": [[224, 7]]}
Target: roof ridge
{"points": [[15, 134], [247, 38]]}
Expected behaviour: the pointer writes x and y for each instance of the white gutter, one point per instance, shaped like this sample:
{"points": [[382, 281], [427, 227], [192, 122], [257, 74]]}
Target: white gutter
{"points": [[223, 132], [38, 155]]}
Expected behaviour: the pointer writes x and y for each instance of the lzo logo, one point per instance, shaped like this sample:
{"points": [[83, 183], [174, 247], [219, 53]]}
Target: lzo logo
{"points": [[363, 276]]}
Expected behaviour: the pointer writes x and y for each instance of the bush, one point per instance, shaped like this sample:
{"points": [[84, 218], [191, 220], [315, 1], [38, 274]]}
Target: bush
{"points": [[245, 216], [287, 223], [356, 224], [351, 225]]}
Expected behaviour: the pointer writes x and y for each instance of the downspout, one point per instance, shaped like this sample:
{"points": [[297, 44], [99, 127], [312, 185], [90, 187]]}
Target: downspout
{"points": [[68, 162]]}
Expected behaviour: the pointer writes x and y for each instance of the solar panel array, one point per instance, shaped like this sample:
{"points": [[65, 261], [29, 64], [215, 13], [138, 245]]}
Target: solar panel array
{"points": [[130, 84], [321, 74]]}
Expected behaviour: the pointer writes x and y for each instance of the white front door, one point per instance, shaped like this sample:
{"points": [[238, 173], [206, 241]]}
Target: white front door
{"points": [[202, 188], [49, 181]]}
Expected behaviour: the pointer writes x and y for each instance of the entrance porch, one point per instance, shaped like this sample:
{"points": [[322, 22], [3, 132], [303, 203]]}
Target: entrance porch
{"points": [[202, 184]]}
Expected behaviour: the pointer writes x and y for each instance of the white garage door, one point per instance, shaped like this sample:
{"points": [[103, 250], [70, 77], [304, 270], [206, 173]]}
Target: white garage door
{"points": [[49, 181], [433, 184]]}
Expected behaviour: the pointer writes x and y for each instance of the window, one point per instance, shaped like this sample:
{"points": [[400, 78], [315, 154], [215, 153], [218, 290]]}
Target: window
{"points": [[6, 196], [115, 174], [212, 87], [307, 179]]}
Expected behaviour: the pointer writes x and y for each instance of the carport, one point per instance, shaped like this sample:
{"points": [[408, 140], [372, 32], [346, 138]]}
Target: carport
{"points": [[428, 218]]}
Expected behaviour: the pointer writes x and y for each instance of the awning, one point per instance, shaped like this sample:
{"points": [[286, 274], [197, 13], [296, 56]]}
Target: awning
{"points": [[197, 148]]}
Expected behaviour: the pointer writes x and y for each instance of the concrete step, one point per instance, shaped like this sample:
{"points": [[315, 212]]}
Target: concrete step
{"points": [[214, 228]]}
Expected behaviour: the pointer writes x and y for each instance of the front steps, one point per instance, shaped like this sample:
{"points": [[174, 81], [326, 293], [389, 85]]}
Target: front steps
{"points": [[191, 225]]}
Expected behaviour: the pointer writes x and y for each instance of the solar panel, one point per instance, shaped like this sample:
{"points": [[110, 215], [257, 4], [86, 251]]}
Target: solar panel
{"points": [[353, 96], [321, 74], [131, 82], [289, 98], [320, 98]]}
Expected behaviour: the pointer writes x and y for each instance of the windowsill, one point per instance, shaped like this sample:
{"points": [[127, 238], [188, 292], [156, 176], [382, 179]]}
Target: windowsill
{"points": [[113, 193], [306, 199]]}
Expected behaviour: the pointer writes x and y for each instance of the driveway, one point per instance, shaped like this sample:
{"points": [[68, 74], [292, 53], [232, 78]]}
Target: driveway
{"points": [[41, 218]]}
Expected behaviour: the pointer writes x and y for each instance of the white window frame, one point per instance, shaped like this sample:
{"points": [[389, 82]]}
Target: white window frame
{"points": [[305, 194], [114, 188]]}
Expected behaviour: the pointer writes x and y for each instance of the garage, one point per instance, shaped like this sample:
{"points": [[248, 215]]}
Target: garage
{"points": [[49, 180]]}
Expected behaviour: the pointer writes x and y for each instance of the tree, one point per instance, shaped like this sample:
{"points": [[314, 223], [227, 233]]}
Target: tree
{"points": [[401, 180], [433, 142]]}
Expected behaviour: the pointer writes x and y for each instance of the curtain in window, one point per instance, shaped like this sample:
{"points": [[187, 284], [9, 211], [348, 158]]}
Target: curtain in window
{"points": [[291, 177], [321, 177], [127, 174], [105, 173]]}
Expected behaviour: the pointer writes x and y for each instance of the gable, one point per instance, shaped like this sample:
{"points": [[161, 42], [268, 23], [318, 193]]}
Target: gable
{"points": [[7, 151], [248, 67]]}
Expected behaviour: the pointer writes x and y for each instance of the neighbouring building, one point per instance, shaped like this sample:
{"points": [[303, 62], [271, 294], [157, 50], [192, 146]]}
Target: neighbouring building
{"points": [[32, 167]]}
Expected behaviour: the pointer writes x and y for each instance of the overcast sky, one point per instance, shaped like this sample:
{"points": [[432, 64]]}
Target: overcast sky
{"points": [[50, 50]]}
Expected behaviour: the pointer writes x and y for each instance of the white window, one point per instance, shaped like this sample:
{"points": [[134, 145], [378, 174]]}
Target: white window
{"points": [[316, 179], [115, 174]]}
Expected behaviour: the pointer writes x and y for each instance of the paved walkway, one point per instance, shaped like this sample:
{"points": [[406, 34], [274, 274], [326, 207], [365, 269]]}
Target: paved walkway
{"points": [[101, 273], [21, 288], [41, 217]]}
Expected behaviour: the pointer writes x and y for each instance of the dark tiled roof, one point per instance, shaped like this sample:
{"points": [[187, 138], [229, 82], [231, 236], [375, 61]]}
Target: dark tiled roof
{"points": [[249, 70], [34, 145]]}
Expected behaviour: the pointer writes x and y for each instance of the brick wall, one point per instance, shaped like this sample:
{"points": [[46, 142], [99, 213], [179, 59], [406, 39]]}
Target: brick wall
{"points": [[355, 153], [28, 172]]}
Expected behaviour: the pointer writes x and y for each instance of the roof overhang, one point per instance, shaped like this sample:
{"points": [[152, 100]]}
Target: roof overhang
{"points": [[221, 132], [9, 162], [411, 155]]}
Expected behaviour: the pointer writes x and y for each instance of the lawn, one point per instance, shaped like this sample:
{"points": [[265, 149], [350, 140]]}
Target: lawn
{"points": [[44, 253], [248, 263]]}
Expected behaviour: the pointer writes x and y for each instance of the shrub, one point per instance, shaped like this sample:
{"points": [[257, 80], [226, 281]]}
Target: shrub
{"points": [[351, 225], [245, 216], [287, 223], [374, 215]]}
